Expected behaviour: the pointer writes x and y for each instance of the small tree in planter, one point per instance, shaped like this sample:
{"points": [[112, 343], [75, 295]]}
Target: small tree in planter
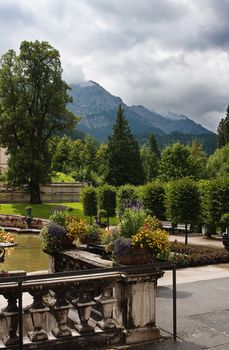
{"points": [[107, 200], [183, 203], [90, 201]]}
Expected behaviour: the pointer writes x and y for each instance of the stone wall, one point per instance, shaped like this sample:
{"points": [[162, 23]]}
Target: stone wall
{"points": [[55, 192]]}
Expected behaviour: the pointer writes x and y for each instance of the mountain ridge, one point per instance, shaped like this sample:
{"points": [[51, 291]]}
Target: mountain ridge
{"points": [[97, 109]]}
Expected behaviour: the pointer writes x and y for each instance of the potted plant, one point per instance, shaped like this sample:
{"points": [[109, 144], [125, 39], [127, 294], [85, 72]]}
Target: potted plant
{"points": [[150, 241], [53, 236]]}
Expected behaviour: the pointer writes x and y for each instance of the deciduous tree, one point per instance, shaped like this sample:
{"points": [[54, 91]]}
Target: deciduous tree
{"points": [[33, 99]]}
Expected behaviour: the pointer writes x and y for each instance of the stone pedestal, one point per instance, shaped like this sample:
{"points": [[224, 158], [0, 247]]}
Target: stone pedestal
{"points": [[136, 293]]}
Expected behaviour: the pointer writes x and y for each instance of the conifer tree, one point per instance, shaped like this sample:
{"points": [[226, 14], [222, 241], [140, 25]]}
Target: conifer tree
{"points": [[150, 157], [223, 130], [124, 161]]}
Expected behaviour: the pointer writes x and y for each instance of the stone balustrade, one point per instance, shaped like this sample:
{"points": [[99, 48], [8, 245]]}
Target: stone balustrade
{"points": [[80, 309]]}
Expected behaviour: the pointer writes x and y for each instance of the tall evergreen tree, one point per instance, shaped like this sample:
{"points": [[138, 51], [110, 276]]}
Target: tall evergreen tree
{"points": [[223, 130], [124, 161], [150, 157]]}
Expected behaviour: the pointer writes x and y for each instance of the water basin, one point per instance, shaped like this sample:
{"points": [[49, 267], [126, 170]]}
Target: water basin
{"points": [[26, 255]]}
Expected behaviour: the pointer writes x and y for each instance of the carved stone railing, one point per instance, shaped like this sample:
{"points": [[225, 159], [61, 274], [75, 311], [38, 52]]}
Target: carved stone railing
{"points": [[79, 309]]}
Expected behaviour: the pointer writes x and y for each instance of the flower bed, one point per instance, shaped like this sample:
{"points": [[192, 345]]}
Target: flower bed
{"points": [[192, 255]]}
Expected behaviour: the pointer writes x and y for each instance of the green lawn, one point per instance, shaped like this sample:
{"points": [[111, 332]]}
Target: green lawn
{"points": [[44, 210]]}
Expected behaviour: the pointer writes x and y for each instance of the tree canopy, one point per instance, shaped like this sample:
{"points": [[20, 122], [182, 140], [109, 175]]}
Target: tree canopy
{"points": [[33, 99], [177, 162]]}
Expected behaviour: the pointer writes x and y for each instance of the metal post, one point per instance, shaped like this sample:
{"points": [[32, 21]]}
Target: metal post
{"points": [[20, 314], [174, 304]]}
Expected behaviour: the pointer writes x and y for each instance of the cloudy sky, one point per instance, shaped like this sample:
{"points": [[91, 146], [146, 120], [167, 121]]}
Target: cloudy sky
{"points": [[169, 55]]}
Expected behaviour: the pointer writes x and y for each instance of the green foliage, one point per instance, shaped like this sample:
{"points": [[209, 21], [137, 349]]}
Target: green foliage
{"points": [[124, 164], [153, 196], [223, 130], [102, 160], [107, 200], [92, 235], [224, 222], [61, 156], [61, 177], [150, 156], [198, 159], [33, 99], [215, 199], [89, 200], [183, 202], [127, 195], [177, 162], [131, 222], [218, 163], [59, 217]]}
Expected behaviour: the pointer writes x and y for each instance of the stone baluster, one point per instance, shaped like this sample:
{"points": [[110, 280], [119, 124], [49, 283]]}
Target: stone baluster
{"points": [[84, 304], [38, 311], [10, 313], [60, 311], [106, 302]]}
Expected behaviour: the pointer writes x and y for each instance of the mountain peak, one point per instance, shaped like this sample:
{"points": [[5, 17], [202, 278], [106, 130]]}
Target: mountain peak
{"points": [[97, 108]]}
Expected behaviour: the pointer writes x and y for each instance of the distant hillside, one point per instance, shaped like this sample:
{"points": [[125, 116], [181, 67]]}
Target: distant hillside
{"points": [[208, 140], [97, 108]]}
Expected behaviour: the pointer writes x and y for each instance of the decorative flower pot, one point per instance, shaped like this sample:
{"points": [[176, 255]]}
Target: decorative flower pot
{"points": [[138, 256], [67, 242]]}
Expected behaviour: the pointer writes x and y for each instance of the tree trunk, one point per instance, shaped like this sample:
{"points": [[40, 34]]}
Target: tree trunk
{"points": [[35, 195], [186, 234]]}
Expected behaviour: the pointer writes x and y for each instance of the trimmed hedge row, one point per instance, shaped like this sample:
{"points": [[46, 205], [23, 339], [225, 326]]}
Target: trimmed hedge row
{"points": [[185, 200]]}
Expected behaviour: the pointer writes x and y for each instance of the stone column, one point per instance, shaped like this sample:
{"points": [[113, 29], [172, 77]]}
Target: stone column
{"points": [[136, 309]]}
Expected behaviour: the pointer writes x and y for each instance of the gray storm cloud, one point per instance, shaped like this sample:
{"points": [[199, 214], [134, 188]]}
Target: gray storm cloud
{"points": [[169, 55]]}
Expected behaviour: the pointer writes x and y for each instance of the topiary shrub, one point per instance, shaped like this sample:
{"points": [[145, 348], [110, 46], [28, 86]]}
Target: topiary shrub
{"points": [[89, 200], [107, 200], [153, 198], [183, 203]]}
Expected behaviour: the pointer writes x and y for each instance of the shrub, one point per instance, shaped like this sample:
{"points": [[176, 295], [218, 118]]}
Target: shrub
{"points": [[183, 202], [132, 220], [193, 255], [59, 216], [153, 196], [92, 235], [52, 236], [107, 200], [90, 201], [214, 201], [127, 196], [76, 228]]}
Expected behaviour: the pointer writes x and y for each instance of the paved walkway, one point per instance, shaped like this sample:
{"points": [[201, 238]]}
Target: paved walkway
{"points": [[198, 239]]}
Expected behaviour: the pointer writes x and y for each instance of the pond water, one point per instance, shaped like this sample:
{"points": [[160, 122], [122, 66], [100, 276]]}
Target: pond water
{"points": [[27, 255]]}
